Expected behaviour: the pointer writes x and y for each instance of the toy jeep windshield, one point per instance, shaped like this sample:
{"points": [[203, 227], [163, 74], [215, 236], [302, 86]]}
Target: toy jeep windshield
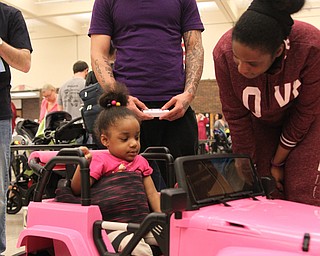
{"points": [[212, 179]]}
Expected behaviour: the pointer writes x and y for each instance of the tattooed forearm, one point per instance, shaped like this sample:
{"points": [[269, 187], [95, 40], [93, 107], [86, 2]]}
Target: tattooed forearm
{"points": [[98, 73], [108, 68], [104, 73], [194, 60]]}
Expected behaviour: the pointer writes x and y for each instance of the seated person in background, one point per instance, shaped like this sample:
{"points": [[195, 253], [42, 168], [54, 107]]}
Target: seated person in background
{"points": [[69, 99], [119, 131], [49, 102]]}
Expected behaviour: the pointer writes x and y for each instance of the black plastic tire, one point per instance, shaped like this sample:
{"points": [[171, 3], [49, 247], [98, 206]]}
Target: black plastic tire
{"points": [[14, 201]]}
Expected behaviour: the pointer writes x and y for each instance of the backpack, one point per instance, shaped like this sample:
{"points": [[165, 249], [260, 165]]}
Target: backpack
{"points": [[90, 96]]}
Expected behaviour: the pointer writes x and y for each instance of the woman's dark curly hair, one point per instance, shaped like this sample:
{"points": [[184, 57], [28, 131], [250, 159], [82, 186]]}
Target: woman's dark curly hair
{"points": [[114, 104], [266, 23]]}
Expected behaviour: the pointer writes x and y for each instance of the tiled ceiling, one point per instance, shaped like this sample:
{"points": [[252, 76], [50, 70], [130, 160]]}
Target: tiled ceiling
{"points": [[54, 18]]}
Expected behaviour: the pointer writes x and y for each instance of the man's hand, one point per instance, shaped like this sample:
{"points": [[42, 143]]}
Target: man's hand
{"points": [[135, 105], [178, 104]]}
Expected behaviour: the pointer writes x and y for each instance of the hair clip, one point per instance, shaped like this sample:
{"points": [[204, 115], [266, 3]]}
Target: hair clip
{"points": [[114, 103]]}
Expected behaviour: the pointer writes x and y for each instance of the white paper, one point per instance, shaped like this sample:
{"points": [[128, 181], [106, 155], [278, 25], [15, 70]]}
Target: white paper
{"points": [[2, 68]]}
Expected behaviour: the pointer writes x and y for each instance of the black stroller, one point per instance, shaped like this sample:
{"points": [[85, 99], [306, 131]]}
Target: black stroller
{"points": [[59, 128], [222, 142], [27, 129]]}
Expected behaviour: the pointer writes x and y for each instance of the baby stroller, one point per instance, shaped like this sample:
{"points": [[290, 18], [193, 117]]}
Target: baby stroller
{"points": [[27, 129], [58, 128], [222, 142], [20, 192]]}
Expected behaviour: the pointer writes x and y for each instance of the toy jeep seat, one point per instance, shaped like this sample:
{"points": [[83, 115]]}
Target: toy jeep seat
{"points": [[61, 228]]}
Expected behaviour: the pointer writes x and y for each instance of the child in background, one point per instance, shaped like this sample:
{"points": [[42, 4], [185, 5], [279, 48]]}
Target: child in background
{"points": [[119, 131]]}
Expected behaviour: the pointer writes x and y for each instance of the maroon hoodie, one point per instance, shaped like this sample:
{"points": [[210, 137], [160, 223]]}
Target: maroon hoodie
{"points": [[289, 97], [279, 106]]}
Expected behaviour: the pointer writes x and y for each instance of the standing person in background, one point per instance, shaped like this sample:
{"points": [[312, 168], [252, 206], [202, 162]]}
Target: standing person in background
{"points": [[68, 98], [150, 62], [14, 115], [15, 52], [202, 121], [49, 102], [219, 123], [267, 69]]}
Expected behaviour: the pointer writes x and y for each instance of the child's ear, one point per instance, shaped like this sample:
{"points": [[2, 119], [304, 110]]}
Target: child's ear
{"points": [[104, 140]]}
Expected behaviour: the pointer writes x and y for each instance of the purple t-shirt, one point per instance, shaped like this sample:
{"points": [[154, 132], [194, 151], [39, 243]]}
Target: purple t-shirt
{"points": [[147, 36]]}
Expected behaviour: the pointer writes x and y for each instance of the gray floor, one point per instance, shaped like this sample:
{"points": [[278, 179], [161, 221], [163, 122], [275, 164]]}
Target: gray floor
{"points": [[14, 227]]}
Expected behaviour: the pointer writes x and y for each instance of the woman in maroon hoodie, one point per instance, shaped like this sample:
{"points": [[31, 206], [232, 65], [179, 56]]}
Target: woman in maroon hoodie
{"points": [[267, 69]]}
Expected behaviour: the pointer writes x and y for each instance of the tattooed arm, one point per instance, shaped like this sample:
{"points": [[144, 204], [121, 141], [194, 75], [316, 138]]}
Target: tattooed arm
{"points": [[101, 64], [194, 67]]}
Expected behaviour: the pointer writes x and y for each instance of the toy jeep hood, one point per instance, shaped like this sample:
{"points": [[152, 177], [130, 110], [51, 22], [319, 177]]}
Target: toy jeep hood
{"points": [[228, 212], [265, 218]]}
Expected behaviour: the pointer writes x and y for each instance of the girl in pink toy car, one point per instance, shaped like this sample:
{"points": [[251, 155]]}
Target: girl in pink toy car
{"points": [[125, 175]]}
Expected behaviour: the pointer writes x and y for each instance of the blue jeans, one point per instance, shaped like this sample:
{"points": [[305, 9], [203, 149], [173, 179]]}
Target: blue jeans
{"points": [[5, 139]]}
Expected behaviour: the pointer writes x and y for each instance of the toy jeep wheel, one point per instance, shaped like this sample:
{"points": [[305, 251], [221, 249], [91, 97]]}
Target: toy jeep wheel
{"points": [[14, 201]]}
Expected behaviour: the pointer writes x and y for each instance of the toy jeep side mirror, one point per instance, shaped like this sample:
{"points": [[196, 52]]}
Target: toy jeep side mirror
{"points": [[173, 200]]}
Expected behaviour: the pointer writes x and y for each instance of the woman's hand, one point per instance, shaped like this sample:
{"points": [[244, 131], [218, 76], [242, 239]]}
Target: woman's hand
{"points": [[277, 174]]}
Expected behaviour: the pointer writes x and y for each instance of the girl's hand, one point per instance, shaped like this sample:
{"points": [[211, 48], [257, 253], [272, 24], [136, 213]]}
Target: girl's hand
{"points": [[277, 173], [86, 153]]}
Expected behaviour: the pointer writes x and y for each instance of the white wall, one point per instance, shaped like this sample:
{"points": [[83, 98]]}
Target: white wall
{"points": [[210, 37], [52, 58], [52, 61]]}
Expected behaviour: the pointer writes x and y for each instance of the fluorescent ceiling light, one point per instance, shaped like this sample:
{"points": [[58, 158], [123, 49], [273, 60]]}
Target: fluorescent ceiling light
{"points": [[207, 6], [24, 94], [57, 1]]}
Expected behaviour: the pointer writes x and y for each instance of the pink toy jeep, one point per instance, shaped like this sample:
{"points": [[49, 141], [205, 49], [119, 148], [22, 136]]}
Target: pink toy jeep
{"points": [[220, 208]]}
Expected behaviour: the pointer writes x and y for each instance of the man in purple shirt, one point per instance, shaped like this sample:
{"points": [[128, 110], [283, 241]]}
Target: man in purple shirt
{"points": [[148, 36]]}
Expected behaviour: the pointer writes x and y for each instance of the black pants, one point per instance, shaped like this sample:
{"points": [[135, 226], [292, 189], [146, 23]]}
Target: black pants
{"points": [[179, 136]]}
